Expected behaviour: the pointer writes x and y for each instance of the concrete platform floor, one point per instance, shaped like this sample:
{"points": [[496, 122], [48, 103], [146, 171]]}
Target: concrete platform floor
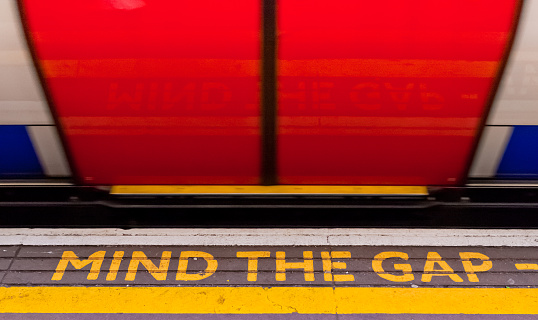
{"points": [[243, 274]]}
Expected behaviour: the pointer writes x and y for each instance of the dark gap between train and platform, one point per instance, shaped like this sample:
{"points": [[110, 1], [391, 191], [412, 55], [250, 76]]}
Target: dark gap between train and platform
{"points": [[70, 206], [99, 215]]}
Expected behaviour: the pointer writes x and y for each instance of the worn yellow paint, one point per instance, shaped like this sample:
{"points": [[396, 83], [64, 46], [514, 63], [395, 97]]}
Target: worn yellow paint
{"points": [[166, 300], [470, 268], [159, 273], [429, 268], [281, 189], [329, 265], [182, 274], [115, 266], [377, 266], [277, 300], [526, 266], [437, 300], [96, 260], [253, 262], [282, 265]]}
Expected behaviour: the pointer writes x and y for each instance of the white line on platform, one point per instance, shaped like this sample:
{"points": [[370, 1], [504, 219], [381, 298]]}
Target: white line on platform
{"points": [[272, 237]]}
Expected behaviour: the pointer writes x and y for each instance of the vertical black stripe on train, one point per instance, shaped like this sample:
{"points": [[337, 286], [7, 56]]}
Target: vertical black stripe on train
{"points": [[269, 94], [492, 93]]}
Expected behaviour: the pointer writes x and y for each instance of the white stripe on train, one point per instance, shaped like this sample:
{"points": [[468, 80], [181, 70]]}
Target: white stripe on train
{"points": [[22, 101]]}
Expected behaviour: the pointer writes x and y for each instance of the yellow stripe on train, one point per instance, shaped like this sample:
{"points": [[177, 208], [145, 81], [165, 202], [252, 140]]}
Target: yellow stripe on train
{"points": [[267, 190]]}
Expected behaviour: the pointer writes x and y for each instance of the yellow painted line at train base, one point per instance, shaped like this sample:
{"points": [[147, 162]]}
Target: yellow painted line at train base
{"points": [[276, 300], [269, 190]]}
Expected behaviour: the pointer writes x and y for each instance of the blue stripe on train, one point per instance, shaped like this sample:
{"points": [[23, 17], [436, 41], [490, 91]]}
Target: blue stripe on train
{"points": [[520, 159], [17, 156]]}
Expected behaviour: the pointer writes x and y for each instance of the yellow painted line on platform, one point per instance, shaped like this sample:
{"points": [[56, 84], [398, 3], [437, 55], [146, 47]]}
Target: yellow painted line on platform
{"points": [[268, 190], [526, 266], [276, 300]]}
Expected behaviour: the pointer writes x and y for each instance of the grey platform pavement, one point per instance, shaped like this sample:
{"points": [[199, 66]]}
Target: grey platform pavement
{"points": [[268, 273]]}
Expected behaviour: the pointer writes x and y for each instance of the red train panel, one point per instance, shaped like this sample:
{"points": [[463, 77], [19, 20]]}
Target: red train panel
{"points": [[385, 92], [167, 91], [154, 92]]}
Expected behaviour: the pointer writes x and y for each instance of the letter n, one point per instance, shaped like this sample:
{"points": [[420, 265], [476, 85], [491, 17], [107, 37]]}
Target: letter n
{"points": [[159, 273]]}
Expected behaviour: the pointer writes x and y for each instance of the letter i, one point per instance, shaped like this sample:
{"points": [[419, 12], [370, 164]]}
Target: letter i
{"points": [[115, 266]]}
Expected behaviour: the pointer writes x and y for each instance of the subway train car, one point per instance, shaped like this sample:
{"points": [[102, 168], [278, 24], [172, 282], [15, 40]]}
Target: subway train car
{"points": [[301, 93]]}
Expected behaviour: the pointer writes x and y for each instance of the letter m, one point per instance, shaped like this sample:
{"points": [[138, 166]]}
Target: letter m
{"points": [[96, 260]]}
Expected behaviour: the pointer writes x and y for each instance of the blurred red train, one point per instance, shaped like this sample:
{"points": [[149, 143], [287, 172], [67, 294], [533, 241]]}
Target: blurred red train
{"points": [[365, 92]]}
